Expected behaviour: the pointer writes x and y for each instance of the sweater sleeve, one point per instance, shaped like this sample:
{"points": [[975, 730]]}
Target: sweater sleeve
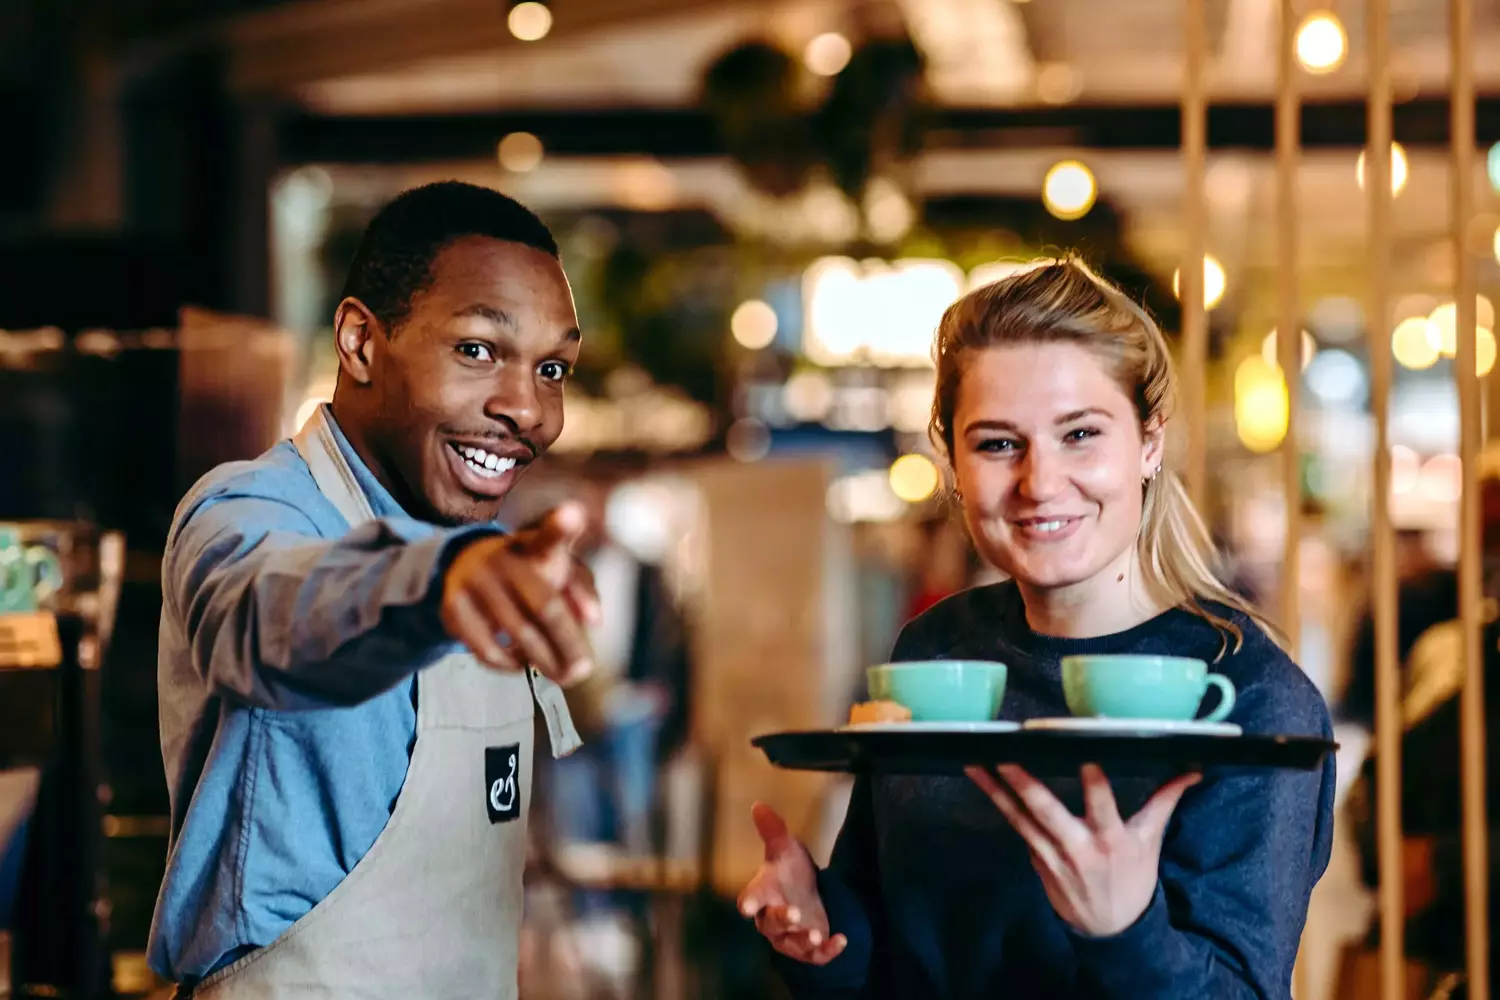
{"points": [[850, 886], [1238, 867]]}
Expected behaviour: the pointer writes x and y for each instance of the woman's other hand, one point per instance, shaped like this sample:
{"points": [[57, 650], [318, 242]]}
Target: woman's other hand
{"points": [[782, 898]]}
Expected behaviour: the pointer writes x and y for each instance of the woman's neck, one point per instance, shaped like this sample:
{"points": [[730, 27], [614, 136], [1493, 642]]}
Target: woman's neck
{"points": [[1113, 600]]}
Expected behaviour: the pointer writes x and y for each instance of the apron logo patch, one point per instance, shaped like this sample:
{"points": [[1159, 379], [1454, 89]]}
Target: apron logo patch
{"points": [[502, 782]]}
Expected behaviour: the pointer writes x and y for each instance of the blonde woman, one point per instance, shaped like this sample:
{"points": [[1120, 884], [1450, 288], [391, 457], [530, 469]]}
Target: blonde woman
{"points": [[1053, 394]]}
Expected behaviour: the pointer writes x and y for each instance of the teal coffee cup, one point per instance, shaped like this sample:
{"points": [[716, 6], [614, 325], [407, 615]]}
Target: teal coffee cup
{"points": [[1143, 687], [29, 574], [941, 690]]}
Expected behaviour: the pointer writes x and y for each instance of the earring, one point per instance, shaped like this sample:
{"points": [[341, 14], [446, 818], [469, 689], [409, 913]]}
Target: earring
{"points": [[958, 495]]}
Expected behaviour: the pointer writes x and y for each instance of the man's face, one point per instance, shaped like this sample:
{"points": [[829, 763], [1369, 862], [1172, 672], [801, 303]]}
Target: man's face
{"points": [[469, 387]]}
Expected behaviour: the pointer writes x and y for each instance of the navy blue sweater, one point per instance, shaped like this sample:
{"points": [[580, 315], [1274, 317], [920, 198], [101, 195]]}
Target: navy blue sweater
{"points": [[938, 897]]}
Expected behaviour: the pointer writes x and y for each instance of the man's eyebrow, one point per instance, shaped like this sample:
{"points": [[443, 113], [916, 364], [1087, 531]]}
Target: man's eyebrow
{"points": [[497, 316]]}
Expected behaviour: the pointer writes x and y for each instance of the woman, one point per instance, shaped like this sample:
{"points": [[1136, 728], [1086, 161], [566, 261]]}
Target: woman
{"points": [[1053, 393]]}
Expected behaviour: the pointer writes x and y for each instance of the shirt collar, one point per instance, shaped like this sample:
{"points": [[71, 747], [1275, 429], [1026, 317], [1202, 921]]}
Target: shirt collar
{"points": [[381, 501]]}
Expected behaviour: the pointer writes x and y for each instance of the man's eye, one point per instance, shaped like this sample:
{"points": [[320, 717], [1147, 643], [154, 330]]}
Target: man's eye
{"points": [[476, 352], [554, 371]]}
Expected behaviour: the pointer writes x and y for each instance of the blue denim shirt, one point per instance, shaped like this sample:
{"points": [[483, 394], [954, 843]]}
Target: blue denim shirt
{"points": [[287, 669]]}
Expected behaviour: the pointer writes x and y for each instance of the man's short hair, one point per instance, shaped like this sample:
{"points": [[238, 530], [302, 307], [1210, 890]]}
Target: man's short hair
{"points": [[395, 255]]}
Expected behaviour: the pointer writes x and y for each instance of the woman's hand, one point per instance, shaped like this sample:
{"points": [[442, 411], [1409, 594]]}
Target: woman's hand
{"points": [[783, 897], [1100, 871]]}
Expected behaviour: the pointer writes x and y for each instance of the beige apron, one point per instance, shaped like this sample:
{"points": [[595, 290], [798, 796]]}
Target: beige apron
{"points": [[433, 910]]}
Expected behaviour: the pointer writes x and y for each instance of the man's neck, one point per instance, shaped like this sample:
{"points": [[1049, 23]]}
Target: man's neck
{"points": [[357, 430]]}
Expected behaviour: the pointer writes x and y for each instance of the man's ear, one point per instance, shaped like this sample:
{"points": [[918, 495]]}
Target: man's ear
{"points": [[355, 332]]}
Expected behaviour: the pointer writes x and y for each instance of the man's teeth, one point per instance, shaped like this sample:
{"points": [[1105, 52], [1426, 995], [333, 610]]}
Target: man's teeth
{"points": [[484, 463]]}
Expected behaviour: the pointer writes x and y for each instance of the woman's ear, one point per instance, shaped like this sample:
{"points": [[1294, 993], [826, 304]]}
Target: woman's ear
{"points": [[1153, 447]]}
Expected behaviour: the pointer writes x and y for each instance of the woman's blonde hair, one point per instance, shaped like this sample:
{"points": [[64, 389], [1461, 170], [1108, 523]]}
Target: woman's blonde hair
{"points": [[1063, 301]]}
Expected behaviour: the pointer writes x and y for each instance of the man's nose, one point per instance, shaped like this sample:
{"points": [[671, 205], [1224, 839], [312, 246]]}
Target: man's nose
{"points": [[515, 400]]}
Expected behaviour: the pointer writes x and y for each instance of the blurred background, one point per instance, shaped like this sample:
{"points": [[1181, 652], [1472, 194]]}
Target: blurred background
{"points": [[764, 207]]}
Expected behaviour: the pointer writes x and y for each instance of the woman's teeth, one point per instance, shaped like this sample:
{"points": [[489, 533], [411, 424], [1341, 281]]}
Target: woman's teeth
{"points": [[484, 463], [1047, 525]]}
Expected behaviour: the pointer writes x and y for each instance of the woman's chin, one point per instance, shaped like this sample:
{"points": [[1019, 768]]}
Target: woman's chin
{"points": [[1053, 574]]}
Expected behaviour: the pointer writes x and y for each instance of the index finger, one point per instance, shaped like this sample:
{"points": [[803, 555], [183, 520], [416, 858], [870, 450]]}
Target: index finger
{"points": [[1048, 811], [1100, 809], [552, 614], [583, 593]]}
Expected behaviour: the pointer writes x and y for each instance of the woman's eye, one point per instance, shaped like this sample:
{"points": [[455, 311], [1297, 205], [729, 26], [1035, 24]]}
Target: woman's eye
{"points": [[554, 371], [998, 446], [476, 352], [1081, 434]]}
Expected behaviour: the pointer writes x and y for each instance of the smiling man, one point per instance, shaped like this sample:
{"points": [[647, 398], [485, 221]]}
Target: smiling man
{"points": [[352, 652]]}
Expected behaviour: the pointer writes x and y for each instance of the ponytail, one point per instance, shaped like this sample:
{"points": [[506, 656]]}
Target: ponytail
{"points": [[1179, 561]]}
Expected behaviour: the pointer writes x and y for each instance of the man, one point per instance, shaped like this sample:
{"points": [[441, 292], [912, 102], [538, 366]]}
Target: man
{"points": [[351, 649]]}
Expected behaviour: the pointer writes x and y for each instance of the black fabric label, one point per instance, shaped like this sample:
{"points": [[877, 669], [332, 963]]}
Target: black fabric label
{"points": [[502, 782]]}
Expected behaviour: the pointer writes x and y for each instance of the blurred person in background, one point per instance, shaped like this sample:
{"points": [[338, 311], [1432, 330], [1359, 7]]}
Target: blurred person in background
{"points": [[1427, 595], [1054, 390], [631, 710], [1432, 675], [353, 652], [942, 565]]}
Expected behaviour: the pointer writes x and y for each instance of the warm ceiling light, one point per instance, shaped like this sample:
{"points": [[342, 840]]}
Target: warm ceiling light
{"points": [[913, 477], [1398, 169], [828, 54], [754, 324], [1321, 42], [1069, 190], [520, 152], [530, 21], [1215, 282], [1415, 343]]}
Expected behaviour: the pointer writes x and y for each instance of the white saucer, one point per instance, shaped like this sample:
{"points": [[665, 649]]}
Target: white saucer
{"points": [[996, 726], [1192, 727]]}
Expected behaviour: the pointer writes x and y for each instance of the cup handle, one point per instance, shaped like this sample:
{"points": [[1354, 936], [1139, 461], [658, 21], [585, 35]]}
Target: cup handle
{"points": [[47, 571], [1226, 698]]}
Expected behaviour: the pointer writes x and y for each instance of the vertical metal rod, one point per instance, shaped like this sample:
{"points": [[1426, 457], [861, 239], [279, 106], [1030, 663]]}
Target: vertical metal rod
{"points": [[1190, 286], [1471, 549], [1289, 343], [1288, 312], [1387, 680]]}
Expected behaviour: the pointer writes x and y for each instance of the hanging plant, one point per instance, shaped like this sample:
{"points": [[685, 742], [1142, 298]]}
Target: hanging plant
{"points": [[870, 120], [874, 118], [752, 94]]}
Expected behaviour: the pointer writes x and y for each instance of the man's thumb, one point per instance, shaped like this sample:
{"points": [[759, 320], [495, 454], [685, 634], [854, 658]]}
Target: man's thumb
{"points": [[772, 829]]}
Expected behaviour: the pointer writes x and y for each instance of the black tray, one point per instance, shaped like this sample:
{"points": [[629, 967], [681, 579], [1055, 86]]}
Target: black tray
{"points": [[1042, 752]]}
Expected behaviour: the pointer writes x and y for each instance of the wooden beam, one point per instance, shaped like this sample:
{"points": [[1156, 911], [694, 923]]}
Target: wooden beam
{"points": [[297, 43], [689, 133]]}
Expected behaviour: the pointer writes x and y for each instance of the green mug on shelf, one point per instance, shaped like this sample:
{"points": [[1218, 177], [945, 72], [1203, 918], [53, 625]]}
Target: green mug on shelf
{"points": [[29, 574]]}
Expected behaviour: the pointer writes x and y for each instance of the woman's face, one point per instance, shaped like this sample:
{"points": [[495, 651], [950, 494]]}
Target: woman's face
{"points": [[1049, 457]]}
